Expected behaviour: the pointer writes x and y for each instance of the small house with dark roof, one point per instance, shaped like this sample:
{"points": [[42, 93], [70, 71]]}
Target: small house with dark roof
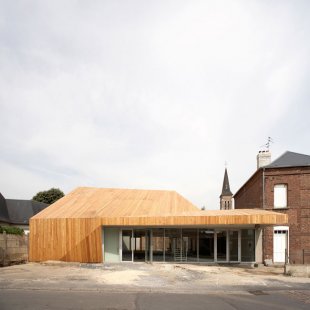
{"points": [[283, 186], [17, 212]]}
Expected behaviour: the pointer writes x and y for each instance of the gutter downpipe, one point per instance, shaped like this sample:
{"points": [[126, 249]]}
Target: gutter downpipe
{"points": [[263, 188], [263, 205]]}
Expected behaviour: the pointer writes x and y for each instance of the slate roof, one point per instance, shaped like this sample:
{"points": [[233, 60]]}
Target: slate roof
{"points": [[290, 159], [17, 211], [4, 215], [226, 188], [286, 160]]}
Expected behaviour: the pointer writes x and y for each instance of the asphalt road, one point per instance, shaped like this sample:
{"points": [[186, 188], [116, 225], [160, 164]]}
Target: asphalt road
{"points": [[46, 299]]}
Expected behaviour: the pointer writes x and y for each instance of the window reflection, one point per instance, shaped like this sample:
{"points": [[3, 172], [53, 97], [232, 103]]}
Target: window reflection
{"points": [[206, 245]]}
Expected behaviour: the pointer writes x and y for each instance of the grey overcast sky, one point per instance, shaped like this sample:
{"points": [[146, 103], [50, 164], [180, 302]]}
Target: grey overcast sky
{"points": [[149, 94]]}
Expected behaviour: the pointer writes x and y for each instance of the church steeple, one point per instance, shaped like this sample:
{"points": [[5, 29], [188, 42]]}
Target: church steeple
{"points": [[226, 188], [226, 195]]}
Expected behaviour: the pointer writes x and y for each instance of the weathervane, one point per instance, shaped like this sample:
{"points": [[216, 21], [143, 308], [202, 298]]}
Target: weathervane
{"points": [[267, 145]]}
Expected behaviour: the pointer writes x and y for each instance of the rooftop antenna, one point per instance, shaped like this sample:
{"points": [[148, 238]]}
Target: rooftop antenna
{"points": [[266, 146]]}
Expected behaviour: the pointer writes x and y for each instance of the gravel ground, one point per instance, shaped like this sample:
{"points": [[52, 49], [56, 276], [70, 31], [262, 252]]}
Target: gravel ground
{"points": [[147, 277]]}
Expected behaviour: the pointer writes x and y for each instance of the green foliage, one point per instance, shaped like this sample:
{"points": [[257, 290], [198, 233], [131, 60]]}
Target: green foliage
{"points": [[11, 230], [49, 196]]}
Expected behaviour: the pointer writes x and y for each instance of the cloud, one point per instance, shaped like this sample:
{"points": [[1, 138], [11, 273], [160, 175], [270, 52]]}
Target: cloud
{"points": [[149, 95]]}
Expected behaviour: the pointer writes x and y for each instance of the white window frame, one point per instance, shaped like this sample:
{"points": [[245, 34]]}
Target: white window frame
{"points": [[279, 197]]}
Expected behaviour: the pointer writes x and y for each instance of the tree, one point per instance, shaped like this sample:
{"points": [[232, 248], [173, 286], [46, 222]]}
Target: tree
{"points": [[49, 196]]}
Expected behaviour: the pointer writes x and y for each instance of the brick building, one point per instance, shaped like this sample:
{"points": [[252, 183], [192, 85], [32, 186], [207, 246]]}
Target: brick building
{"points": [[282, 186]]}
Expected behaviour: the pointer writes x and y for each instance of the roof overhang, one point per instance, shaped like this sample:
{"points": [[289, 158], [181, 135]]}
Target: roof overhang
{"points": [[243, 217]]}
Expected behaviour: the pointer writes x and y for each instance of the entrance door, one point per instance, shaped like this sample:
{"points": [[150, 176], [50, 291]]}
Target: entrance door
{"points": [[221, 245], [206, 245], [173, 245], [111, 245], [280, 237], [127, 245], [136, 245], [141, 248]]}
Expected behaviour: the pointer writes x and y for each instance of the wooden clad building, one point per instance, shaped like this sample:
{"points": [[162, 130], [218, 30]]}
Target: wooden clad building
{"points": [[95, 225]]}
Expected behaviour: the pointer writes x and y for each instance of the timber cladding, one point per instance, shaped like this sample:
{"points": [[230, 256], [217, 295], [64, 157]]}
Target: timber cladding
{"points": [[71, 240], [71, 229]]}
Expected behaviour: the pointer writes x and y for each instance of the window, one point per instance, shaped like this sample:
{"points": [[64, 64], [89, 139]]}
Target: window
{"points": [[280, 196], [221, 245], [189, 243], [158, 245], [206, 245], [248, 245]]}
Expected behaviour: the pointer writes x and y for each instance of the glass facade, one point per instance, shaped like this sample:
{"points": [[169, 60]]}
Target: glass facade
{"points": [[247, 245], [141, 248], [233, 245], [221, 246], [158, 245], [126, 245], [173, 245], [206, 245], [188, 245], [189, 242]]}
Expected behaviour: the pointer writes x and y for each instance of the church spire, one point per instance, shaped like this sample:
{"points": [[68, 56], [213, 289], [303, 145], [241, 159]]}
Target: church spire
{"points": [[226, 188], [226, 195]]}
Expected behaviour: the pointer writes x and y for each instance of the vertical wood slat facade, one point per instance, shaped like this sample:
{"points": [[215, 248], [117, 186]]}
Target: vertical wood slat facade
{"points": [[71, 240]]}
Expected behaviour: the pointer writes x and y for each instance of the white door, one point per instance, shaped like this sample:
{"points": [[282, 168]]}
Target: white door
{"points": [[279, 245]]}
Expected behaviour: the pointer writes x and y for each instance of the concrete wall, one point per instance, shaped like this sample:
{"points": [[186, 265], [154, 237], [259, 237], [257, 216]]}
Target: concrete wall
{"points": [[13, 249], [297, 270], [259, 245]]}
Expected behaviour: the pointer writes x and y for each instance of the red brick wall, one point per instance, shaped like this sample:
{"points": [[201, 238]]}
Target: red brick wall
{"points": [[298, 202], [249, 196]]}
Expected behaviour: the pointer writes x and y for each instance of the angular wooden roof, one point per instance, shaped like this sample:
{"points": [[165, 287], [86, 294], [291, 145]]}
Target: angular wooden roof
{"points": [[124, 207], [90, 202]]}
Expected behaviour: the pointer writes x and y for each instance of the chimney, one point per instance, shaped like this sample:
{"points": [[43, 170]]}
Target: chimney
{"points": [[263, 158]]}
